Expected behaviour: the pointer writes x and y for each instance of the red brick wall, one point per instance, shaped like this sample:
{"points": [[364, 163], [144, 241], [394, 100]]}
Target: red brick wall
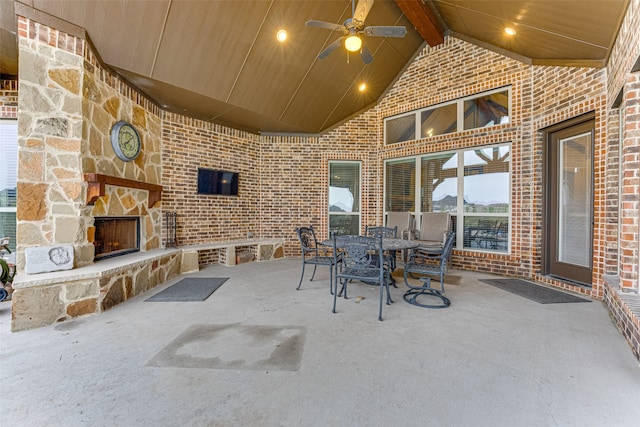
{"points": [[630, 185], [457, 69], [8, 99], [189, 144], [289, 174]]}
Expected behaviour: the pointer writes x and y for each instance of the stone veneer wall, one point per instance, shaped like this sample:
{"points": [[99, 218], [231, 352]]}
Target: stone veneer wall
{"points": [[68, 104], [50, 120], [107, 99]]}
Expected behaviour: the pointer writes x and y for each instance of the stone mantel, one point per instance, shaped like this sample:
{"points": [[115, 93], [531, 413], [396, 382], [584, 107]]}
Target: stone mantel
{"points": [[97, 183]]}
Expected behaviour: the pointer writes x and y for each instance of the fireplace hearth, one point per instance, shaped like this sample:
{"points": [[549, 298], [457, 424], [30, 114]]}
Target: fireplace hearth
{"points": [[115, 236]]}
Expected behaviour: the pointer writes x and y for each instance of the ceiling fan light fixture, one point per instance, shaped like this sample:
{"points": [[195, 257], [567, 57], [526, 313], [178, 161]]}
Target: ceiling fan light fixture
{"points": [[353, 43]]}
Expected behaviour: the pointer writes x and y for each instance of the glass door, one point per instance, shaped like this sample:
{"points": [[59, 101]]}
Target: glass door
{"points": [[569, 231]]}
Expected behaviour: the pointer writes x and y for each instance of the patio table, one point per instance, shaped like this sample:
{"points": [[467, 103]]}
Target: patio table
{"points": [[388, 245]]}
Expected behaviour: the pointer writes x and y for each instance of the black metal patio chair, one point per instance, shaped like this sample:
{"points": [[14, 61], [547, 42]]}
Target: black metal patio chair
{"points": [[386, 233], [424, 264], [361, 258], [313, 254]]}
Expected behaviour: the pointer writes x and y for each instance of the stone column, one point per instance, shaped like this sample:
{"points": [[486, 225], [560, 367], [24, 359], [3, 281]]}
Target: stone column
{"points": [[50, 180]]}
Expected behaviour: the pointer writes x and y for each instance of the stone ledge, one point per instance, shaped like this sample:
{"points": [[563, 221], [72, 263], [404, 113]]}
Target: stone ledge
{"points": [[102, 268], [111, 266]]}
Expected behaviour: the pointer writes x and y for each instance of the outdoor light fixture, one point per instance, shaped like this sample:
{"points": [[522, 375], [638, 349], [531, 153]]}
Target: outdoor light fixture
{"points": [[353, 43]]}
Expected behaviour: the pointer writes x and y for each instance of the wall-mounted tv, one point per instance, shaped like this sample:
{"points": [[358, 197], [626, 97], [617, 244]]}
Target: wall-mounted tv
{"points": [[217, 182]]}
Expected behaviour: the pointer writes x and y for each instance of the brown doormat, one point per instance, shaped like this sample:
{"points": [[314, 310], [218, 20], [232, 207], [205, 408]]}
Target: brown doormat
{"points": [[537, 293]]}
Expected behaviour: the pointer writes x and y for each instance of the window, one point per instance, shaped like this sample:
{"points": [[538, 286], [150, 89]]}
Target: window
{"points": [[8, 179], [439, 120], [486, 109], [400, 182], [344, 197], [399, 129], [473, 185]]}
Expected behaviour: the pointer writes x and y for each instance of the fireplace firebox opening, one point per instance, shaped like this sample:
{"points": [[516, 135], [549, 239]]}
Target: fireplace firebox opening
{"points": [[115, 236]]}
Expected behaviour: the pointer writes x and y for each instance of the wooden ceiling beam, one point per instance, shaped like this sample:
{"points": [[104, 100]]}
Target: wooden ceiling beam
{"points": [[423, 19]]}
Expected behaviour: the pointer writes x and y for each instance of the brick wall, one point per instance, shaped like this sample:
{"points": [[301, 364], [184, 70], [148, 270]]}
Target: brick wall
{"points": [[189, 144], [457, 69], [8, 99], [292, 183]]}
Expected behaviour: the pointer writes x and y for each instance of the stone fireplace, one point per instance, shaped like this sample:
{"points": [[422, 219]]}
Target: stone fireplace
{"points": [[115, 236]]}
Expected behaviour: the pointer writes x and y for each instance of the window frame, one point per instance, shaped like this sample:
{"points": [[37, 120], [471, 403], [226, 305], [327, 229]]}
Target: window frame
{"points": [[460, 114], [11, 209], [459, 215], [331, 214]]}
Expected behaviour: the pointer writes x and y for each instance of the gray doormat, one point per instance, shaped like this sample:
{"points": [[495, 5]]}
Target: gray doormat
{"points": [[533, 292], [189, 289], [232, 346]]}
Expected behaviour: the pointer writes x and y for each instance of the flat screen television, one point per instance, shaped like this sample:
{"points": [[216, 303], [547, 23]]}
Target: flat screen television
{"points": [[217, 182]]}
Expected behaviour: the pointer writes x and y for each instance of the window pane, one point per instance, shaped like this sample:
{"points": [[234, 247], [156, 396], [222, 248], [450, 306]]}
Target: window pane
{"points": [[8, 162], [344, 197], [8, 228], [486, 180], [438, 121], [574, 200], [400, 185], [344, 224], [486, 233], [8, 167], [400, 129], [440, 183], [344, 187], [487, 110]]}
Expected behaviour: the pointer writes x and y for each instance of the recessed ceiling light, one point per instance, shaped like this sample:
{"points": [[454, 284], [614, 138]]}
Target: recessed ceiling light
{"points": [[281, 35], [510, 31], [362, 87]]}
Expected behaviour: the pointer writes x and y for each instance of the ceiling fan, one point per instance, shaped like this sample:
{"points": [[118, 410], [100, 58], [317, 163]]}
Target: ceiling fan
{"points": [[353, 30]]}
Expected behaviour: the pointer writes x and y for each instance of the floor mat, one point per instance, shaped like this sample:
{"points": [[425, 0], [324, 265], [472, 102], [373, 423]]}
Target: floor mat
{"points": [[189, 289], [537, 293]]}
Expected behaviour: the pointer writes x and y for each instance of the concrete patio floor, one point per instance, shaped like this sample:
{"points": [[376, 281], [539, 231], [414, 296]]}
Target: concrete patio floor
{"points": [[491, 359]]}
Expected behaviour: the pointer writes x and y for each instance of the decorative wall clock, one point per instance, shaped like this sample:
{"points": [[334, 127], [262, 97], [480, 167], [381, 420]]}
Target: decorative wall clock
{"points": [[125, 141]]}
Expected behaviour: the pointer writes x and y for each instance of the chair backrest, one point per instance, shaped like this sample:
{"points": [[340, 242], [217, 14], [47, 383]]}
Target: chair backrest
{"points": [[447, 248], [360, 253], [402, 220], [307, 238], [388, 232], [434, 226]]}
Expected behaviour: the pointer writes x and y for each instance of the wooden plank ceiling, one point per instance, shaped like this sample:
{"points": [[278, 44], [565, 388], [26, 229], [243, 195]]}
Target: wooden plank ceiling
{"points": [[218, 60]]}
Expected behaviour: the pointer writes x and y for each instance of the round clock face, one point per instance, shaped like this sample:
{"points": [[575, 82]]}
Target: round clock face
{"points": [[125, 141]]}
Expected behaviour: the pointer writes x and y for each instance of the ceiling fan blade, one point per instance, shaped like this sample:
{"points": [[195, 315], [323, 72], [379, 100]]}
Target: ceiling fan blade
{"points": [[362, 10], [333, 46], [365, 54], [325, 25], [383, 31]]}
